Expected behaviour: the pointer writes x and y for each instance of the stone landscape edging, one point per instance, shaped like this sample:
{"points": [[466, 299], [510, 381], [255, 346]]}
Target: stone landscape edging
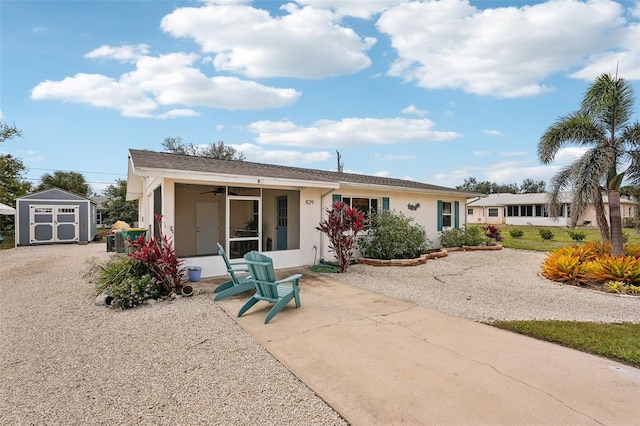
{"points": [[423, 258]]}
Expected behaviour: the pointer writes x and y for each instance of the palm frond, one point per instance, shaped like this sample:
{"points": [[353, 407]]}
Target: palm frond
{"points": [[610, 101], [574, 128]]}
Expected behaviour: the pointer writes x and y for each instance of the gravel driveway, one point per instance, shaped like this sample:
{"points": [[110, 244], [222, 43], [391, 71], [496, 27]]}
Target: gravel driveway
{"points": [[494, 285], [65, 361]]}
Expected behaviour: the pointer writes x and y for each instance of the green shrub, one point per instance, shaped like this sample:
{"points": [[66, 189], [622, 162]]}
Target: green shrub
{"points": [[625, 236], [127, 282], [516, 233], [546, 234], [391, 235], [630, 222], [150, 271], [577, 235], [474, 236], [452, 238]]}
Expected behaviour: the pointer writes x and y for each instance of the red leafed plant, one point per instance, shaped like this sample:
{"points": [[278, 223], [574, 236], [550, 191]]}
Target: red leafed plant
{"points": [[493, 233], [342, 226], [159, 257]]}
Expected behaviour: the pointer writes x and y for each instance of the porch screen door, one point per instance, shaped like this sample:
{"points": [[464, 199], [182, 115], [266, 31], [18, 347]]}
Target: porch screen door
{"points": [[244, 221]]}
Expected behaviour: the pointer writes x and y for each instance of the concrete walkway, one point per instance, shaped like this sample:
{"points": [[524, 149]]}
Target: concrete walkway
{"points": [[381, 361]]}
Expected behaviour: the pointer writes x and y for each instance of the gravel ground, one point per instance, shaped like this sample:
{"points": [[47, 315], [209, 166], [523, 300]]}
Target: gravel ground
{"points": [[494, 285], [65, 361]]}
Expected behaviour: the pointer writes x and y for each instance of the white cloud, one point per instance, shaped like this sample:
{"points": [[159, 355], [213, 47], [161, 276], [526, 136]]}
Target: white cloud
{"points": [[492, 132], [412, 109], [360, 9], [126, 53], [626, 58], [382, 173], [157, 82], [481, 153], [305, 42], [349, 132], [506, 51], [293, 158], [2, 117], [568, 155]]}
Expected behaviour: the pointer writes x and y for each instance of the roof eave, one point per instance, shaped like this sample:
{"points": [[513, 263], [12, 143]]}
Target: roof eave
{"points": [[232, 178]]}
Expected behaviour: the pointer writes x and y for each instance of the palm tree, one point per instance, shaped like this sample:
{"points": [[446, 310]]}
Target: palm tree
{"points": [[70, 181], [603, 125]]}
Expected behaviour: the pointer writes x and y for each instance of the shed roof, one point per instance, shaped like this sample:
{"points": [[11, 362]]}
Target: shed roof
{"points": [[54, 194]]}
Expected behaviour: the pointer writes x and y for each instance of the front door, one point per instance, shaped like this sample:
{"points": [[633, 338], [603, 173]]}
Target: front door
{"points": [[282, 219], [206, 228]]}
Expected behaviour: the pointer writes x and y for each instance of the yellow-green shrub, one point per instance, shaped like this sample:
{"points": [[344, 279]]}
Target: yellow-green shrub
{"points": [[592, 263], [567, 268], [622, 268]]}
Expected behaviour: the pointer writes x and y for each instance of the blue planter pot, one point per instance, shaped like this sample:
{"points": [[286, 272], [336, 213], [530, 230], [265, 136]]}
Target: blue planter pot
{"points": [[194, 273]]}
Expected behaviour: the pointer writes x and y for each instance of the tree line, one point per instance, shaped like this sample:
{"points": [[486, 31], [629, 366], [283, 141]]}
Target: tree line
{"points": [[528, 186]]}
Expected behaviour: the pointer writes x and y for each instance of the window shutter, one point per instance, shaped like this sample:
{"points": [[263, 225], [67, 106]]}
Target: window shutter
{"points": [[456, 214], [439, 215], [385, 203]]}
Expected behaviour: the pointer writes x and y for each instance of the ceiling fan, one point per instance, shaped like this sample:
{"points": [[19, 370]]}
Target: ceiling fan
{"points": [[217, 191]]}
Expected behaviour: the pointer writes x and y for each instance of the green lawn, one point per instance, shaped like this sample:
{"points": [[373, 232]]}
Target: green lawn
{"points": [[531, 240], [619, 342]]}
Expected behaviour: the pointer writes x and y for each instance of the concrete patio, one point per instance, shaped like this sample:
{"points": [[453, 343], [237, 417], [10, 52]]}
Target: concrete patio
{"points": [[380, 360]]}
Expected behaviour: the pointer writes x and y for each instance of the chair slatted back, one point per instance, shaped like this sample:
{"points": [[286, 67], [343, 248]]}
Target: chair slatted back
{"points": [[222, 253], [263, 274]]}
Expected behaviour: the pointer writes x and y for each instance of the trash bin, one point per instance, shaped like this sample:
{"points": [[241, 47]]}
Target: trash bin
{"points": [[111, 243], [131, 234], [118, 241]]}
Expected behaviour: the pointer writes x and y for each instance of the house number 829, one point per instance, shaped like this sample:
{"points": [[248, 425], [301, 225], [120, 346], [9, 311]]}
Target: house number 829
{"points": [[308, 202]]}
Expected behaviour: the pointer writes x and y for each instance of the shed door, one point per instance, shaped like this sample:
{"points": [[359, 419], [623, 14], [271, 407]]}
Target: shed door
{"points": [[54, 224]]}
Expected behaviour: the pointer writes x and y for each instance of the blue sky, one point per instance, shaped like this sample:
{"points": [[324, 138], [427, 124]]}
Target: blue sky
{"points": [[434, 91]]}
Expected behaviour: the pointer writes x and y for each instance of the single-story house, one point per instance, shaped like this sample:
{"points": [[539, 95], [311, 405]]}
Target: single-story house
{"points": [[54, 216], [275, 209], [533, 209]]}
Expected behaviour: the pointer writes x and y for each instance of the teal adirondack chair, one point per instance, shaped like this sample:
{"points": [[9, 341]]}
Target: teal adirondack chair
{"points": [[240, 280], [278, 292]]}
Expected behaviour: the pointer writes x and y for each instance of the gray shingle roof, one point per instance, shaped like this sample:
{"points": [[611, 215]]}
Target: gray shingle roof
{"points": [[169, 161]]}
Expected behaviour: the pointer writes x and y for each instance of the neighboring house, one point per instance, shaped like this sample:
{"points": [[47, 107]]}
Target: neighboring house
{"points": [[276, 209], [54, 216], [102, 212], [532, 209]]}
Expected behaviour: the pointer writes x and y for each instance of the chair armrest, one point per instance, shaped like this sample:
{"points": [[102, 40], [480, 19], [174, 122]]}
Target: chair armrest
{"points": [[235, 268], [293, 278]]}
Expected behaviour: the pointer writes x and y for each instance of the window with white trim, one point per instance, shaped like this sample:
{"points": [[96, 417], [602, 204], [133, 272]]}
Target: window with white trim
{"points": [[446, 214], [493, 212], [367, 205]]}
